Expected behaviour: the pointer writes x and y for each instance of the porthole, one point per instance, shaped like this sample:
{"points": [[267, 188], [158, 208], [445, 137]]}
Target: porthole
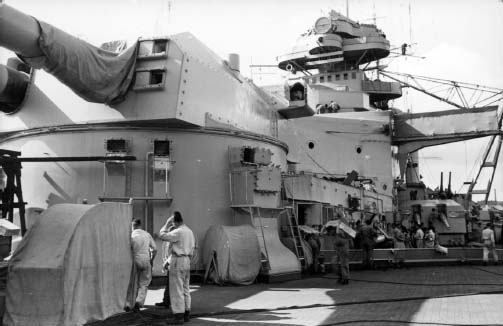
{"points": [[359, 149], [310, 145], [384, 187]]}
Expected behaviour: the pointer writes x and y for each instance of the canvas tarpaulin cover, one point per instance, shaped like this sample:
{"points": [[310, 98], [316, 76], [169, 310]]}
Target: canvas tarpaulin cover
{"points": [[237, 253], [281, 260], [72, 266], [92, 73]]}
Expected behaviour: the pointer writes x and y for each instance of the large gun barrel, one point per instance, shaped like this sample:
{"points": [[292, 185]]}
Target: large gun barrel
{"points": [[92, 73], [13, 86], [19, 32], [444, 220]]}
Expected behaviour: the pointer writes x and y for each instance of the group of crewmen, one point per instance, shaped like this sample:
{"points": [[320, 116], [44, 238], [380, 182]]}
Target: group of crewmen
{"points": [[179, 244], [417, 237]]}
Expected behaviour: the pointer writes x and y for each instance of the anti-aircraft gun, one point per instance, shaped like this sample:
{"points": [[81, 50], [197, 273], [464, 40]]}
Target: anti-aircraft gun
{"points": [[431, 209]]}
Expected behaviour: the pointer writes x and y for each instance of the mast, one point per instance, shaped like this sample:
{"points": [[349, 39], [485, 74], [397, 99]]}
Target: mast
{"points": [[449, 190], [441, 191]]}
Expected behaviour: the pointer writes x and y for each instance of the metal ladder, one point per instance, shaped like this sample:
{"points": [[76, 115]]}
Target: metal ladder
{"points": [[487, 162], [295, 233], [256, 221]]}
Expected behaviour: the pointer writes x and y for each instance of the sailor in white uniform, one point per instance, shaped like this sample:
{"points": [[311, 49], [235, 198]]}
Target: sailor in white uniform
{"points": [[144, 251], [489, 244], [182, 244]]}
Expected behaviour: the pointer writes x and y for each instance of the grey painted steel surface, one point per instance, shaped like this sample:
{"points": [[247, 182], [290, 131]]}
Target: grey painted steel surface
{"points": [[55, 122], [200, 120], [412, 132], [198, 179], [230, 101], [337, 143], [445, 125]]}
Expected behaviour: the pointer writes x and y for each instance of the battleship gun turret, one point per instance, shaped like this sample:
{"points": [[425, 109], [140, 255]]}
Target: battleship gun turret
{"points": [[166, 99], [92, 73], [159, 78]]}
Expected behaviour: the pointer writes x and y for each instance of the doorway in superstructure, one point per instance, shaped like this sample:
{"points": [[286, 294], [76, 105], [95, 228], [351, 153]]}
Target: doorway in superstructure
{"points": [[302, 211], [313, 214]]}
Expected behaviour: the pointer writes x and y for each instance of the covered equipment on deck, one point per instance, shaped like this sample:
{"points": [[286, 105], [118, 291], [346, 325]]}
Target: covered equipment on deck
{"points": [[72, 266], [235, 251]]}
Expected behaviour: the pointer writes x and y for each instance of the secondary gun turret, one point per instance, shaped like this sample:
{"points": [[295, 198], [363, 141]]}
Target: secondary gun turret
{"points": [[92, 73]]}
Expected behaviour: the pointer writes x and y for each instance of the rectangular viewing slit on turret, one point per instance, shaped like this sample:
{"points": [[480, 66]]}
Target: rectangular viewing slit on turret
{"points": [[149, 79], [152, 49], [160, 46], [161, 147], [116, 145], [156, 77]]}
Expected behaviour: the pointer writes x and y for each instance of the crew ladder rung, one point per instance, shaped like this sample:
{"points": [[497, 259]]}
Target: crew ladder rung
{"points": [[488, 165], [295, 234], [256, 217], [480, 192]]}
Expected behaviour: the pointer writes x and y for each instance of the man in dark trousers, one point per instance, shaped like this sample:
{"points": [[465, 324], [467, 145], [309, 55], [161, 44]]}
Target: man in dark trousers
{"points": [[367, 239], [341, 244]]}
